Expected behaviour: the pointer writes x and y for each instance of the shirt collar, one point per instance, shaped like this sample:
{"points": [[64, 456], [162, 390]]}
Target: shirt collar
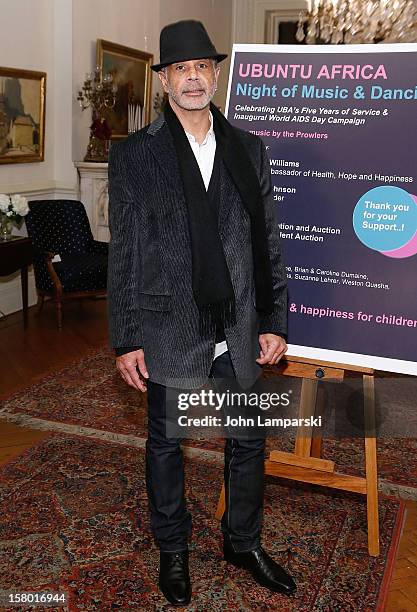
{"points": [[209, 134]]}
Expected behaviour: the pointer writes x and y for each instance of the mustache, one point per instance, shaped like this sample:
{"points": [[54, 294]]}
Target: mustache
{"points": [[193, 89]]}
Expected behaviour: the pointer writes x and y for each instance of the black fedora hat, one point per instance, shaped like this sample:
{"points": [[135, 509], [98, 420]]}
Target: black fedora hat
{"points": [[183, 41]]}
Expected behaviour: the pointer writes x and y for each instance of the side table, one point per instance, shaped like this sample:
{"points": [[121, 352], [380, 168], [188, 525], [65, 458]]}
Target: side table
{"points": [[16, 254]]}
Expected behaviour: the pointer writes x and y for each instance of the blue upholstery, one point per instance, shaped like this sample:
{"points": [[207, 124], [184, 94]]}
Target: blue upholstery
{"points": [[62, 227]]}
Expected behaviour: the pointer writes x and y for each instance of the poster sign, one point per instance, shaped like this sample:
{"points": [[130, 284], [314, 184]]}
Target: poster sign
{"points": [[340, 126]]}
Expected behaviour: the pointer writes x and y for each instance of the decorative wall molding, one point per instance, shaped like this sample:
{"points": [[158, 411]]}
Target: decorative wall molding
{"points": [[242, 21], [262, 8], [46, 189], [274, 17], [249, 17], [11, 292]]}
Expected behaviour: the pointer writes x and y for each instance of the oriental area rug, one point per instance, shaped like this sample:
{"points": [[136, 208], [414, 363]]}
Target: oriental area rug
{"points": [[74, 517], [74, 520]]}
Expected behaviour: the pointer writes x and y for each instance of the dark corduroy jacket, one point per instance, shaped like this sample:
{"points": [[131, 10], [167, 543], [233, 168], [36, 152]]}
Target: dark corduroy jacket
{"points": [[150, 299]]}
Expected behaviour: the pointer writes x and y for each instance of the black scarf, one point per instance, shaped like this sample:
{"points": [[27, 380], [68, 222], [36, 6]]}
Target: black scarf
{"points": [[211, 283]]}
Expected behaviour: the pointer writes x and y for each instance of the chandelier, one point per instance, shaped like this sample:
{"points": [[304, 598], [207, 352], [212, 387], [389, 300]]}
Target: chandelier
{"points": [[358, 21]]}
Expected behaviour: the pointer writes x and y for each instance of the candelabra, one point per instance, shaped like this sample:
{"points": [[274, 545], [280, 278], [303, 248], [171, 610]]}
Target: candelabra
{"points": [[358, 21], [99, 94]]}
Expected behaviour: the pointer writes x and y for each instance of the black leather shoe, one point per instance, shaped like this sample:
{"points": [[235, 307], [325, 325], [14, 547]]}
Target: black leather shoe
{"points": [[174, 577], [263, 568]]}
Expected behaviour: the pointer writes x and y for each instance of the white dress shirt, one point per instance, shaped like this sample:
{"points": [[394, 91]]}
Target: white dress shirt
{"points": [[204, 154]]}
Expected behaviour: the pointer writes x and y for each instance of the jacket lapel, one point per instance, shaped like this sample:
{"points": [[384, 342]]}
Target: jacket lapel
{"points": [[163, 150]]}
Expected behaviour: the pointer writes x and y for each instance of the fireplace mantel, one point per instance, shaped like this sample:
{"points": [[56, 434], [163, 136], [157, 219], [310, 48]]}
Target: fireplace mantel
{"points": [[92, 187]]}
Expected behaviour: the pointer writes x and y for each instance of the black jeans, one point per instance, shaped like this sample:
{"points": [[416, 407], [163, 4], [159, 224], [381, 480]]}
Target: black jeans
{"points": [[243, 476]]}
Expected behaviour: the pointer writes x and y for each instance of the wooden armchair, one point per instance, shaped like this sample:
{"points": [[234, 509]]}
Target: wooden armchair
{"points": [[61, 227]]}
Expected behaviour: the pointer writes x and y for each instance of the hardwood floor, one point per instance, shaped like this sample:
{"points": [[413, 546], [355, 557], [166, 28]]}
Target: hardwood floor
{"points": [[42, 348], [28, 355], [403, 587]]}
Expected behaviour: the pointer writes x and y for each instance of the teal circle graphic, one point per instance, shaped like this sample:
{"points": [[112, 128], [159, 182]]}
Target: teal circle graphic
{"points": [[385, 218]]}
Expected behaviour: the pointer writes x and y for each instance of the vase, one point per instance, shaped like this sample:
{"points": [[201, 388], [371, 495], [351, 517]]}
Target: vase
{"points": [[6, 226]]}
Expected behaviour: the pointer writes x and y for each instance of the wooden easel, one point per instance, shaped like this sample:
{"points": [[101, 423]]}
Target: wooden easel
{"points": [[305, 463]]}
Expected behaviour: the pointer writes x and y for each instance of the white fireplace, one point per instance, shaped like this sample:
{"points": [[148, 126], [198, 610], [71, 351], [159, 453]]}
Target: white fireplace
{"points": [[93, 192]]}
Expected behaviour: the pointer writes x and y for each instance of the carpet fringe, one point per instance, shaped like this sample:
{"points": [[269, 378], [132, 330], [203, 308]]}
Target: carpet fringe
{"points": [[25, 420]]}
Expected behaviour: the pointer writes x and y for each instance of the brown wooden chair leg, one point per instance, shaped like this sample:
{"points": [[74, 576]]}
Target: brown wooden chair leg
{"points": [[58, 307], [24, 283]]}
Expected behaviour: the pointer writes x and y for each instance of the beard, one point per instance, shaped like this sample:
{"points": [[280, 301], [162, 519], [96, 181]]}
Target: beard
{"points": [[181, 99]]}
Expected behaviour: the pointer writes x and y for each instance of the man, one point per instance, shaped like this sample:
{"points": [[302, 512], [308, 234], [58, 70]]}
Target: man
{"points": [[196, 288]]}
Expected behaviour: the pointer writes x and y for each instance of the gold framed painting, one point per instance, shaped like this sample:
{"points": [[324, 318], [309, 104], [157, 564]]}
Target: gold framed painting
{"points": [[22, 116], [131, 71]]}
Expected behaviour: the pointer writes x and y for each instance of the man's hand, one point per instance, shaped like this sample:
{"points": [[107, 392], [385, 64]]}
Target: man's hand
{"points": [[272, 349], [126, 364]]}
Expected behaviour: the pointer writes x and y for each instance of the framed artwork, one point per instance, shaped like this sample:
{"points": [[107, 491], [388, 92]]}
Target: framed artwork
{"points": [[281, 26], [22, 116], [131, 71]]}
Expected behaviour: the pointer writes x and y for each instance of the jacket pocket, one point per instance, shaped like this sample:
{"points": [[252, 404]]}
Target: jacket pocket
{"points": [[152, 301]]}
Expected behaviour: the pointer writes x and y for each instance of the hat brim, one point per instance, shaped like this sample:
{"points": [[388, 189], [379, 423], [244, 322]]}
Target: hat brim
{"points": [[219, 57]]}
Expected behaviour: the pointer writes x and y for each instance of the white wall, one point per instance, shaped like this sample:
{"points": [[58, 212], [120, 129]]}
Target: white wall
{"points": [[64, 172], [31, 49]]}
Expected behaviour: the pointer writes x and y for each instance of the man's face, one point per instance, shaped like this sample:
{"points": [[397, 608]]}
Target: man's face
{"points": [[190, 84]]}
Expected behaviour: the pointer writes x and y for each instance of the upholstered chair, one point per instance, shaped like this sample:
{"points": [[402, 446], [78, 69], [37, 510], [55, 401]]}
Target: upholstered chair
{"points": [[68, 262]]}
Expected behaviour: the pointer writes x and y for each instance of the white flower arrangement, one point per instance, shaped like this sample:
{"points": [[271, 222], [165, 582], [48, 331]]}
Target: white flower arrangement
{"points": [[13, 206]]}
